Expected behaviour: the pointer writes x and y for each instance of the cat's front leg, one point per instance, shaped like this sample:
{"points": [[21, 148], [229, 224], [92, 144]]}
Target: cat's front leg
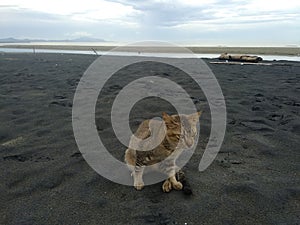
{"points": [[138, 177], [171, 182], [167, 186], [175, 184]]}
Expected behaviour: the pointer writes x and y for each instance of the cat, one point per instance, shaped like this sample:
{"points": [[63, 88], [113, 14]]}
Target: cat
{"points": [[175, 141]]}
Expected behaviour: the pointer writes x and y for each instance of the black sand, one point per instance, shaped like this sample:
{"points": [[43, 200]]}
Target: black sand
{"points": [[44, 179]]}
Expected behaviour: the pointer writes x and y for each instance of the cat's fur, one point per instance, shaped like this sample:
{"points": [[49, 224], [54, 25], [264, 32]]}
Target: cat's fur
{"points": [[175, 141]]}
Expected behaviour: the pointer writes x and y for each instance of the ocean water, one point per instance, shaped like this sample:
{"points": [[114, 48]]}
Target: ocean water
{"points": [[145, 54]]}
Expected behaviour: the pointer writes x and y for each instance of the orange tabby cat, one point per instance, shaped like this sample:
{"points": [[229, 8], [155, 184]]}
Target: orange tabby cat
{"points": [[175, 141]]}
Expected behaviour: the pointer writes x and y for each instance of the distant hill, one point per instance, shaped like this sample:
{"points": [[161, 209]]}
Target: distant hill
{"points": [[81, 39], [87, 39]]}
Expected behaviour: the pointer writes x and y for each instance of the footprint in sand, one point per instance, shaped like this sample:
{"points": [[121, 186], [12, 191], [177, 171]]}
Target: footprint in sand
{"points": [[275, 117]]}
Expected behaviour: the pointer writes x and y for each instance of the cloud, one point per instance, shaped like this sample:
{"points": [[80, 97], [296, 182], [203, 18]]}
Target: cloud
{"points": [[177, 20], [89, 10]]}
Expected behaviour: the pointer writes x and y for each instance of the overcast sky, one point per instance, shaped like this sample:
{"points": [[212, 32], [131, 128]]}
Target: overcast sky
{"points": [[202, 22]]}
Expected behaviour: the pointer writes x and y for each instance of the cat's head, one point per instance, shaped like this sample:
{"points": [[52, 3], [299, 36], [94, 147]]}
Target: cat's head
{"points": [[181, 130]]}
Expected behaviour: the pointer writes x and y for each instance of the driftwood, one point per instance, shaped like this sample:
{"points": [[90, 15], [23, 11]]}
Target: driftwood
{"points": [[243, 63], [240, 58]]}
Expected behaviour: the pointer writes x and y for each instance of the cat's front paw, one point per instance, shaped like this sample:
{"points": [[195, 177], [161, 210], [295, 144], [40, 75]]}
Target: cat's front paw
{"points": [[177, 186], [139, 186], [167, 186]]}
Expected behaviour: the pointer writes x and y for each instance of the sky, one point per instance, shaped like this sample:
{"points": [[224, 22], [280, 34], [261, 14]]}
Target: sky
{"points": [[194, 22]]}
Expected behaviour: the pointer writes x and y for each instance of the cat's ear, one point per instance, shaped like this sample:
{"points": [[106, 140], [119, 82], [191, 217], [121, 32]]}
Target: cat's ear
{"points": [[166, 117], [199, 113], [195, 116]]}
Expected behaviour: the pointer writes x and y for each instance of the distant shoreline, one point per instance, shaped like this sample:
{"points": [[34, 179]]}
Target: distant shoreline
{"points": [[284, 51]]}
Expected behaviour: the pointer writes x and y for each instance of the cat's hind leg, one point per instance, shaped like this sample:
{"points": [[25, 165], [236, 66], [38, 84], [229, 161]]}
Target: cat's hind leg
{"points": [[138, 177], [130, 159]]}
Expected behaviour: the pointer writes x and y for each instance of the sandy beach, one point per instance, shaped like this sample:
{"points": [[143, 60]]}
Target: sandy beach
{"points": [[255, 178]]}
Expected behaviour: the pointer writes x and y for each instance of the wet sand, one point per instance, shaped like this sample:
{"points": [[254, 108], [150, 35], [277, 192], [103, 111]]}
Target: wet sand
{"points": [[285, 51], [255, 178]]}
